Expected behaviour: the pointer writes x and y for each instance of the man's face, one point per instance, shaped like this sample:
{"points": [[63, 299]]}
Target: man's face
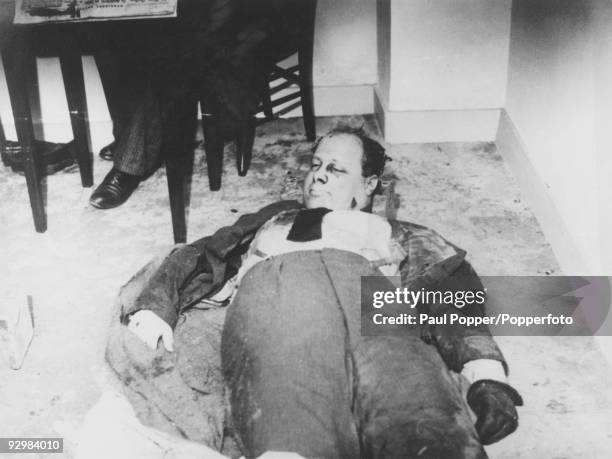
{"points": [[335, 179]]}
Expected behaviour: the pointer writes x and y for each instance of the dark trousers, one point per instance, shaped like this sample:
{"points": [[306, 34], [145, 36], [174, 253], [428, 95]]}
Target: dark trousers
{"points": [[150, 71], [301, 377], [218, 52], [134, 105]]}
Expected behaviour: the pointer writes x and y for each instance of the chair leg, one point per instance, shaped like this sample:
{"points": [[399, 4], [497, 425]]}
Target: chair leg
{"points": [[2, 135], [245, 136], [20, 67], [72, 71], [178, 151], [266, 102], [306, 95], [306, 92], [213, 145], [176, 192], [305, 55]]}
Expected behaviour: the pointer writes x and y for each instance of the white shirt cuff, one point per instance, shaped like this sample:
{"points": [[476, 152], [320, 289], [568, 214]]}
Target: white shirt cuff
{"points": [[475, 370]]}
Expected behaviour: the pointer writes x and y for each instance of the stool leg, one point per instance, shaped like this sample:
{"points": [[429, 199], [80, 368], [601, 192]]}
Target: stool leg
{"points": [[179, 128], [74, 84], [176, 191], [245, 136], [213, 145], [20, 69]]}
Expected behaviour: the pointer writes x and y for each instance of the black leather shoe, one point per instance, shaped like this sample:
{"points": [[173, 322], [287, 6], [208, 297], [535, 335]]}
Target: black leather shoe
{"points": [[114, 190], [107, 153]]}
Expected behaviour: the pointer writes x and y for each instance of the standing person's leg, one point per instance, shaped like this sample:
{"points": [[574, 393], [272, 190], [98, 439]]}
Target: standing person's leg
{"points": [[137, 150], [110, 68], [118, 51], [134, 106], [285, 361]]}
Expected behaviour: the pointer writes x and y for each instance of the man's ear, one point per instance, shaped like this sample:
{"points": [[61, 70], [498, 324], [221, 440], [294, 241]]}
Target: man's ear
{"points": [[371, 183]]}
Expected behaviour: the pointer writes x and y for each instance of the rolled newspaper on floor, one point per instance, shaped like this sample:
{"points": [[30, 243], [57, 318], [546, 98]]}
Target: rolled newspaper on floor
{"points": [[16, 329]]}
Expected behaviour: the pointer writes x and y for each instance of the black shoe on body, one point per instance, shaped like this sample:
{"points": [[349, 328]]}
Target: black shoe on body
{"points": [[114, 190], [107, 153]]}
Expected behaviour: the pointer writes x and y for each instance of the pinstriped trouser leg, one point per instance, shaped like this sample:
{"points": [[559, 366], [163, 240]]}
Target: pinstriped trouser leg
{"points": [[138, 149]]}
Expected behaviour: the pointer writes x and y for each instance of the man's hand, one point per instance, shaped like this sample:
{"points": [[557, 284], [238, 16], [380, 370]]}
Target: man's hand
{"points": [[149, 327], [494, 403]]}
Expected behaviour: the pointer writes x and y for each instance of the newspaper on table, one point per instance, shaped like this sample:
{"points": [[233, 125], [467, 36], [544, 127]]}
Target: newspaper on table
{"points": [[39, 11]]}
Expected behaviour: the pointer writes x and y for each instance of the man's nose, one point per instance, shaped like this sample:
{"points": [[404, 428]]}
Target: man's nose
{"points": [[320, 175]]}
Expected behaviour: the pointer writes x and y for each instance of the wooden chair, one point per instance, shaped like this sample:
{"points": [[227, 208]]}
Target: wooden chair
{"points": [[279, 79]]}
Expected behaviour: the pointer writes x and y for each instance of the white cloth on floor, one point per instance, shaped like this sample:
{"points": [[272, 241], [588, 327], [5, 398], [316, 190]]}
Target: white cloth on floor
{"points": [[111, 430]]}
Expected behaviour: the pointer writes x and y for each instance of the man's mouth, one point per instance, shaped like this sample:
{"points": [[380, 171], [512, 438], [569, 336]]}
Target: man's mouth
{"points": [[316, 192]]}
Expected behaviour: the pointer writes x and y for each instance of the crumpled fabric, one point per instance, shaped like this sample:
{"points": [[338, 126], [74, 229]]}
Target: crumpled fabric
{"points": [[183, 391], [180, 392]]}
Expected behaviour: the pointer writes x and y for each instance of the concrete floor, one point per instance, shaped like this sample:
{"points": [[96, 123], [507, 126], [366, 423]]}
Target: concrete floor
{"points": [[74, 270]]}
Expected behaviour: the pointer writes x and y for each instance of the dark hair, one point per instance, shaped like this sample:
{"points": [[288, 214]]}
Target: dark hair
{"points": [[374, 157]]}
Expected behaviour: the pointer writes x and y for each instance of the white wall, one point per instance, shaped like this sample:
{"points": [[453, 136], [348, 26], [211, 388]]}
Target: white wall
{"points": [[345, 69], [559, 100], [55, 125], [443, 77], [383, 17], [345, 43], [448, 54]]}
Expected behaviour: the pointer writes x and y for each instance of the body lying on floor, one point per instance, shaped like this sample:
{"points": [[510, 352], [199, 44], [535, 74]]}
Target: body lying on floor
{"points": [[285, 366]]}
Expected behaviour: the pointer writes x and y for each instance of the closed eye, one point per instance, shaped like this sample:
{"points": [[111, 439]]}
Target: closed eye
{"points": [[336, 170]]}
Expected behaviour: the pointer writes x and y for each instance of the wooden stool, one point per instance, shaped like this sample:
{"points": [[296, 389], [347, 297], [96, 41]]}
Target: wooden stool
{"points": [[18, 45]]}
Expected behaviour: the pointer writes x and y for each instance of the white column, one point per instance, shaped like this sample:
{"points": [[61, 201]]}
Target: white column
{"points": [[442, 68]]}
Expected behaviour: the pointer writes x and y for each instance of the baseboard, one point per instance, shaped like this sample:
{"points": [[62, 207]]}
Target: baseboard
{"points": [[337, 100], [100, 132], [426, 126], [328, 101], [343, 100], [516, 156]]}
